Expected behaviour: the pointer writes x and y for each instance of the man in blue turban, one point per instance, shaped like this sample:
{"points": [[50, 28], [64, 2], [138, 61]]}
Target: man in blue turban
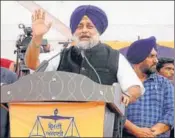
{"points": [[153, 114], [96, 15], [140, 50], [94, 22], [89, 56]]}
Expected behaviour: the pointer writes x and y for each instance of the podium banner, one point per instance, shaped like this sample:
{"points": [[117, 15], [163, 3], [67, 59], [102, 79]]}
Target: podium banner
{"points": [[57, 119]]}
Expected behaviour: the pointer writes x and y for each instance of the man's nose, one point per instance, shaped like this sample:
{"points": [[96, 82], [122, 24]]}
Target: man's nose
{"points": [[155, 60], [84, 29], [172, 71]]}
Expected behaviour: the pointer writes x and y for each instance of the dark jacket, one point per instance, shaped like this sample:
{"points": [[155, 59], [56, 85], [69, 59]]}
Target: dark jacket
{"points": [[103, 58]]}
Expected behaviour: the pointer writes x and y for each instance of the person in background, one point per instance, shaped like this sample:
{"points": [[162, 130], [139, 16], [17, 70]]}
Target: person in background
{"points": [[165, 67], [6, 63], [7, 77], [45, 46], [152, 115]]}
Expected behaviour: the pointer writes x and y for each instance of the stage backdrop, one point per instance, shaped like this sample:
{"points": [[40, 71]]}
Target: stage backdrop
{"points": [[165, 48]]}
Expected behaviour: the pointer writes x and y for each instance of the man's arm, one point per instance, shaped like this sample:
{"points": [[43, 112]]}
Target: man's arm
{"points": [[160, 128], [129, 81], [39, 28], [132, 128], [137, 131], [54, 63], [167, 121], [32, 53], [134, 93]]}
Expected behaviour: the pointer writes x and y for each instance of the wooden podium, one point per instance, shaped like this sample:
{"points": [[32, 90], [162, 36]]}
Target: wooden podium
{"points": [[62, 104]]}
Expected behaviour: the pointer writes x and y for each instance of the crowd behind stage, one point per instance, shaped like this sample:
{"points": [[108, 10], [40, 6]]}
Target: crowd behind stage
{"points": [[146, 80]]}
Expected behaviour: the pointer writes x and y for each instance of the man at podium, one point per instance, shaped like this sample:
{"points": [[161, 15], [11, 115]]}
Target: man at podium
{"points": [[89, 56]]}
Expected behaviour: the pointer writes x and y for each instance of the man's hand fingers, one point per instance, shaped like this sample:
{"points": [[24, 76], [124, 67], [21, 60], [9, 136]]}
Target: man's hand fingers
{"points": [[125, 100], [49, 25], [43, 15], [33, 18], [36, 14], [39, 14]]}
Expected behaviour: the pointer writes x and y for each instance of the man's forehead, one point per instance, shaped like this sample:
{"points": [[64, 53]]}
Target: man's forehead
{"points": [[168, 65], [86, 18]]}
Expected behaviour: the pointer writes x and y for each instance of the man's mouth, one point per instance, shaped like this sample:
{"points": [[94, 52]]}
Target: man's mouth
{"points": [[84, 38], [154, 66]]}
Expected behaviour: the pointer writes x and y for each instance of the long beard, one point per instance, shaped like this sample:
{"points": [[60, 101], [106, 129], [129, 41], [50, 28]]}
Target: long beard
{"points": [[86, 44], [149, 71]]}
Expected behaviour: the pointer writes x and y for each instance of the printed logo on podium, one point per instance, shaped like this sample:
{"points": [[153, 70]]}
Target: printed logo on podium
{"points": [[54, 126]]}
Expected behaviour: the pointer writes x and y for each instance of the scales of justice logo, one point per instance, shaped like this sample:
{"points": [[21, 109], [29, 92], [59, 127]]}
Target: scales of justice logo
{"points": [[54, 126]]}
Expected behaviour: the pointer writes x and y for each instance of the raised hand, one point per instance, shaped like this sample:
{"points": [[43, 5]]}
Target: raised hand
{"points": [[39, 26]]}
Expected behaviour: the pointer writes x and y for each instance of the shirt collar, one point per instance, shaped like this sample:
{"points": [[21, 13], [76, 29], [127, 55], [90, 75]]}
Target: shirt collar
{"points": [[151, 77]]}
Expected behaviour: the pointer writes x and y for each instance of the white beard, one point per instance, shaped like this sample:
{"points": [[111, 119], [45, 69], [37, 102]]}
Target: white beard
{"points": [[86, 44]]}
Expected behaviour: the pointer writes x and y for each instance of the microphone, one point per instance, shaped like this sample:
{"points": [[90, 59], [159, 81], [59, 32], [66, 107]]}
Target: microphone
{"points": [[45, 63], [84, 56], [65, 44]]}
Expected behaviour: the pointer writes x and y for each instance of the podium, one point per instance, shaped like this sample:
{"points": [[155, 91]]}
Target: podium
{"points": [[62, 104]]}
